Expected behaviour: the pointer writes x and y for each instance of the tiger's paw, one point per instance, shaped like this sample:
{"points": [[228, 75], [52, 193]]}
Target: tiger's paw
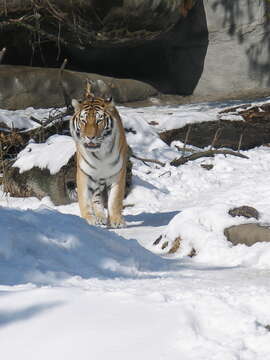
{"points": [[117, 222], [100, 220], [97, 220]]}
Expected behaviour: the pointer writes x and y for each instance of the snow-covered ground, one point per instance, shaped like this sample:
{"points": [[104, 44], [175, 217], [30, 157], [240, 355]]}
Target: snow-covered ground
{"points": [[69, 290]]}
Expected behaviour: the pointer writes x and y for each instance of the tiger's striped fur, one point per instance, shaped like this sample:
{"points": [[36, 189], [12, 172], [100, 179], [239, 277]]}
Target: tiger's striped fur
{"points": [[101, 146]]}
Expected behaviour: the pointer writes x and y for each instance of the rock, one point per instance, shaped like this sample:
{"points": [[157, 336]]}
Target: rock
{"points": [[246, 211], [237, 60], [40, 183], [203, 50], [163, 244], [60, 187], [207, 166], [248, 234], [22, 86]]}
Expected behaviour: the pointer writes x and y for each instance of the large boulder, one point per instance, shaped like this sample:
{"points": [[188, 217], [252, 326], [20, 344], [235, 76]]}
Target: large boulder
{"points": [[23, 86], [60, 187]]}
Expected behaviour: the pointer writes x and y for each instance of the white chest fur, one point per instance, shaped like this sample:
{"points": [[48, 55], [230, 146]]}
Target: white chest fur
{"points": [[104, 163]]}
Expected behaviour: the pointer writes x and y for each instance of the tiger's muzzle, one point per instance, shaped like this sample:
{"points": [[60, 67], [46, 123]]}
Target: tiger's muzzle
{"points": [[92, 143]]}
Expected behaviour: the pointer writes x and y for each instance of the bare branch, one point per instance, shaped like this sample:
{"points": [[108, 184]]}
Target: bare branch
{"points": [[240, 142], [186, 149], [2, 53], [66, 96], [216, 136], [36, 120], [186, 139], [208, 153], [145, 160]]}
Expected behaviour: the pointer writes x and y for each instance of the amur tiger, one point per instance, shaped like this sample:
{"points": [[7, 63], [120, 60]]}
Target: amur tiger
{"points": [[101, 146]]}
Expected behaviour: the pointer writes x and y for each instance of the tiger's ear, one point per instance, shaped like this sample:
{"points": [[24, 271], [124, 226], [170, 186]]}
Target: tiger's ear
{"points": [[76, 105]]}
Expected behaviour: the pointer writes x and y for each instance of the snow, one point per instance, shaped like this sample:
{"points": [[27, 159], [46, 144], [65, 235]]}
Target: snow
{"points": [[51, 155], [68, 289], [20, 119]]}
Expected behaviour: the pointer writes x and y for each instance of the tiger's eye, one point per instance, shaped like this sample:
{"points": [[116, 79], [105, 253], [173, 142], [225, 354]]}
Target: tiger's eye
{"points": [[99, 117]]}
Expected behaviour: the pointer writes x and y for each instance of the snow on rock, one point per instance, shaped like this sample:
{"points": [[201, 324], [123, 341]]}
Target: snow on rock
{"points": [[44, 245], [201, 229], [21, 119], [52, 155]]}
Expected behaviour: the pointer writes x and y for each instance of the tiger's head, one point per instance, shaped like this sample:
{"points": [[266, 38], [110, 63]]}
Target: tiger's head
{"points": [[92, 122]]}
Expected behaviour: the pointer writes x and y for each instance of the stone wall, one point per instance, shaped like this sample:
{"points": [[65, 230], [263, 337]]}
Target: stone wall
{"points": [[218, 49], [237, 62]]}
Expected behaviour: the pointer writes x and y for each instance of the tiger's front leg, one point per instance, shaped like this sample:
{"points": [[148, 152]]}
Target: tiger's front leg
{"points": [[98, 207], [88, 197], [115, 201]]}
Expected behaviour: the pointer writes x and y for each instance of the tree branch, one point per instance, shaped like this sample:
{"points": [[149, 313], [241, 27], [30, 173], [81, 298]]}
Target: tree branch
{"points": [[208, 153], [2, 53], [145, 160]]}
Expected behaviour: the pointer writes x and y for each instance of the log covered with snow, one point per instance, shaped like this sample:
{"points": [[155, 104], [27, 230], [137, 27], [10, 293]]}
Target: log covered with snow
{"points": [[37, 172], [241, 127]]}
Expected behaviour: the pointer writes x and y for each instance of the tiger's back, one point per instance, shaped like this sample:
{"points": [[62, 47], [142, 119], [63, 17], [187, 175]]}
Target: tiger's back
{"points": [[101, 146]]}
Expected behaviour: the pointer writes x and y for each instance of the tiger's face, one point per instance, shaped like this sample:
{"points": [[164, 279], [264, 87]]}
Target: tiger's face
{"points": [[92, 122]]}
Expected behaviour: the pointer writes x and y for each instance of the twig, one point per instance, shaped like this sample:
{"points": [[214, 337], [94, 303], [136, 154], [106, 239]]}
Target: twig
{"points": [[66, 96], [58, 43], [240, 142], [186, 139], [145, 160], [186, 150], [40, 122], [165, 173], [19, 22], [2, 54], [217, 133], [208, 153]]}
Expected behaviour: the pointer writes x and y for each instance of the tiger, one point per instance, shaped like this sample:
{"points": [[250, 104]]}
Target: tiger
{"points": [[101, 152]]}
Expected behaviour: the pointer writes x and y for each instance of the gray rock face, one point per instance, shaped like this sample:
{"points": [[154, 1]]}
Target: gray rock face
{"points": [[210, 50], [219, 50], [22, 86], [237, 60]]}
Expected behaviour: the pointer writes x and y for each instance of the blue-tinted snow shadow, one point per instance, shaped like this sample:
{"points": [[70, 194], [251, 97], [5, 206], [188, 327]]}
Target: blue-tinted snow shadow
{"points": [[48, 247], [151, 219], [8, 317], [137, 181]]}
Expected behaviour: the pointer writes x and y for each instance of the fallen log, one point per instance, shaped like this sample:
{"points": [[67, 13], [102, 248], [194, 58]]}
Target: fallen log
{"points": [[252, 130]]}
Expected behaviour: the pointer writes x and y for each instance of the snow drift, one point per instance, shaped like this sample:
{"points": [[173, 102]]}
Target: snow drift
{"points": [[45, 246]]}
